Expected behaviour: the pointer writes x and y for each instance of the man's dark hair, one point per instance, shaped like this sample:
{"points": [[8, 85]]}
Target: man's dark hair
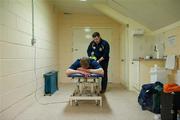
{"points": [[84, 61], [95, 34]]}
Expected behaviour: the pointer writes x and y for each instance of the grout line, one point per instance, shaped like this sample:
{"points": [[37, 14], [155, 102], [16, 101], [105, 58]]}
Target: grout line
{"points": [[27, 70], [18, 101]]}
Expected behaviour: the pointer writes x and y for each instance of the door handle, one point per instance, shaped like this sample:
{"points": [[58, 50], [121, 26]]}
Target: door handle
{"points": [[75, 49]]}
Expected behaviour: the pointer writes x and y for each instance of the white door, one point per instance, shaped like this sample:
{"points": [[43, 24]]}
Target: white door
{"points": [[134, 76], [124, 56], [83, 36]]}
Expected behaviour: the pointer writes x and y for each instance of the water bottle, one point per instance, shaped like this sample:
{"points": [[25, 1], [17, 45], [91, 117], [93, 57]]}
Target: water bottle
{"points": [[157, 117], [178, 116]]}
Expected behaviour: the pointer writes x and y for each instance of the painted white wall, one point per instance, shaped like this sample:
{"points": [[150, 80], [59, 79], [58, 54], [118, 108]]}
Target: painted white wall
{"points": [[142, 46], [17, 84], [162, 38]]}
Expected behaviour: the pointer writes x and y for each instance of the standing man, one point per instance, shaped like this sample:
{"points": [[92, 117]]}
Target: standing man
{"points": [[99, 49]]}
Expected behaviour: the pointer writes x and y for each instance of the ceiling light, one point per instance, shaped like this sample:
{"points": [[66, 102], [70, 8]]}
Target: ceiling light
{"points": [[87, 30], [83, 0]]}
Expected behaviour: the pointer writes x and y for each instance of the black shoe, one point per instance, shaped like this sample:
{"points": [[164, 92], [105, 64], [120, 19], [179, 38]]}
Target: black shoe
{"points": [[102, 91]]}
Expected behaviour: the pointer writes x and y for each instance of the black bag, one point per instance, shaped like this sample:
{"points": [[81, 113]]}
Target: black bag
{"points": [[170, 103], [149, 97]]}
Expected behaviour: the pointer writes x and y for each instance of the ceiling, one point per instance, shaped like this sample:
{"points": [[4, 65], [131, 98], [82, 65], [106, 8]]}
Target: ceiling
{"points": [[154, 14], [77, 6]]}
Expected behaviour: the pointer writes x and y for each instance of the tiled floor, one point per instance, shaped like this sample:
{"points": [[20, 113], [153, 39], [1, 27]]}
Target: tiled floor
{"points": [[118, 104]]}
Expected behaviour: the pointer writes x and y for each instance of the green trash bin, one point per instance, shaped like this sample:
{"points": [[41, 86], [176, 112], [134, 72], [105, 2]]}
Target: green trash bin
{"points": [[50, 82]]}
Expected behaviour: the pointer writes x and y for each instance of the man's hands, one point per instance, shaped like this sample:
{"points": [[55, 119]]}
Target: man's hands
{"points": [[85, 72], [101, 59]]}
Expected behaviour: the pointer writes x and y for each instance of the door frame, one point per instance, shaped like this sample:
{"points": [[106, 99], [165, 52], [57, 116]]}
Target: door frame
{"points": [[125, 58]]}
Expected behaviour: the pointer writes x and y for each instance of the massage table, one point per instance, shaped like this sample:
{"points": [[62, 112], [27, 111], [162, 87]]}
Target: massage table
{"points": [[87, 88]]}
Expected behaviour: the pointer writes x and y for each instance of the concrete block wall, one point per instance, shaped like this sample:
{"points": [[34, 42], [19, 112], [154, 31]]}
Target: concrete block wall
{"points": [[17, 78]]}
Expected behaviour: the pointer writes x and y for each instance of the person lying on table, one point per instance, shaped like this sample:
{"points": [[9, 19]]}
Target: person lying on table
{"points": [[85, 66]]}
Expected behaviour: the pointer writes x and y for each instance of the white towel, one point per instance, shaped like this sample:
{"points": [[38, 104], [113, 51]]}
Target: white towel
{"points": [[170, 62], [178, 77]]}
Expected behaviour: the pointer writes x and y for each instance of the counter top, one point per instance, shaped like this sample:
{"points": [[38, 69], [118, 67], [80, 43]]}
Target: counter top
{"points": [[154, 59]]}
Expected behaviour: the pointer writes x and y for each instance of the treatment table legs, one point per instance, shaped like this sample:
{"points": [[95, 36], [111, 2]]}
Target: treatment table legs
{"points": [[87, 89]]}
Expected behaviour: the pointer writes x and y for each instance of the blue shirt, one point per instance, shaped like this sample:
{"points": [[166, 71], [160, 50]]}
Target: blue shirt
{"points": [[92, 64], [99, 50]]}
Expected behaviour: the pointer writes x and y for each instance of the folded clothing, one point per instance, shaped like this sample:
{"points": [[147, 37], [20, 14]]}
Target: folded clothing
{"points": [[168, 88]]}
